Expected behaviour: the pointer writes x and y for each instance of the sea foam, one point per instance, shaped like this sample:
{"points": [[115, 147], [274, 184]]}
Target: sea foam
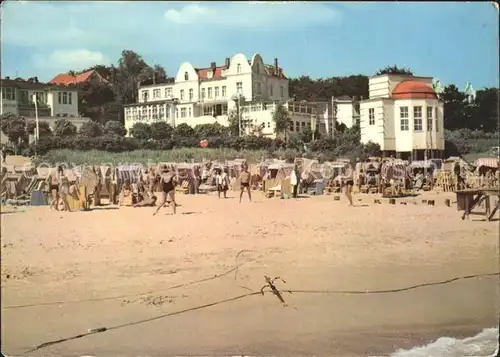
{"points": [[483, 344]]}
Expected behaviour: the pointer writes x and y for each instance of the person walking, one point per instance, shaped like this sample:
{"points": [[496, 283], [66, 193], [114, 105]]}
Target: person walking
{"points": [[348, 181], [168, 182], [245, 182]]}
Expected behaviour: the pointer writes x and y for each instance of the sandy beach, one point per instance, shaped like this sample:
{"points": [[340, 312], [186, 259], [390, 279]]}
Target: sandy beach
{"points": [[115, 267]]}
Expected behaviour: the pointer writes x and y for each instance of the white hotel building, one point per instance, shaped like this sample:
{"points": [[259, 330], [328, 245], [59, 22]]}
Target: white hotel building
{"points": [[404, 116], [205, 95]]}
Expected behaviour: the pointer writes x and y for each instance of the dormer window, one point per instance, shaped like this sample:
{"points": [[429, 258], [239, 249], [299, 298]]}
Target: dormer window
{"points": [[186, 76], [238, 68], [145, 95]]}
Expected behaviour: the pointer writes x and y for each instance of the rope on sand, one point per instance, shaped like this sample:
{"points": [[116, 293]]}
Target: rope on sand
{"points": [[274, 291]]}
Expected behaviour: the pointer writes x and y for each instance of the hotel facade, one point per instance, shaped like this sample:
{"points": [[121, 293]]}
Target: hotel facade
{"points": [[207, 95]]}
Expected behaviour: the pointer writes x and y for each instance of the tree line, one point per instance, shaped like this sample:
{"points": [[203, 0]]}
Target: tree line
{"points": [[466, 122], [103, 102]]}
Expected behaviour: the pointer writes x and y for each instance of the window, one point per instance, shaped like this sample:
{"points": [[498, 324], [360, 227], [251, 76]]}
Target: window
{"points": [[258, 88], [216, 92], [144, 113], [238, 68], [403, 117], [210, 93], [176, 113], [430, 120], [417, 118], [186, 76], [291, 126], [371, 116], [162, 112], [223, 91], [59, 97], [271, 90], [155, 112], [303, 125], [145, 95], [297, 126], [65, 98], [190, 112], [183, 112], [437, 120], [203, 93], [23, 96], [70, 98], [282, 92], [9, 93], [168, 92], [191, 94], [239, 87], [156, 93], [182, 94], [268, 124]]}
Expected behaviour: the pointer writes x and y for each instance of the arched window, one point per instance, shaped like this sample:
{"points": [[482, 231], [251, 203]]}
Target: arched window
{"points": [[186, 76], [238, 68]]}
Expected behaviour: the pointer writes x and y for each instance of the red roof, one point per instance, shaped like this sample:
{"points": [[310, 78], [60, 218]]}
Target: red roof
{"points": [[66, 79], [413, 89], [217, 74]]}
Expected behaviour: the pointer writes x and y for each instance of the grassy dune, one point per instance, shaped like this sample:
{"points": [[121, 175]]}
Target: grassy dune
{"points": [[155, 156]]}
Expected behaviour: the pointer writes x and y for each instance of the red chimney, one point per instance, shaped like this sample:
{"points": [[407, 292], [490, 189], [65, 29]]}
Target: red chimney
{"points": [[228, 62], [213, 65], [276, 68]]}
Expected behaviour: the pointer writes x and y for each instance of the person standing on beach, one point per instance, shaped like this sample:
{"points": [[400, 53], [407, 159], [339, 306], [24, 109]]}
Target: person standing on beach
{"points": [[53, 182], [294, 181], [168, 182], [245, 182], [64, 189], [222, 182], [348, 182]]}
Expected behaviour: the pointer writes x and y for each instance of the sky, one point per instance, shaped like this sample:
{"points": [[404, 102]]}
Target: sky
{"points": [[453, 42]]}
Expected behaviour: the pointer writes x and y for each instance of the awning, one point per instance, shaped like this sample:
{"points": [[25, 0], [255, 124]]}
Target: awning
{"points": [[491, 162]]}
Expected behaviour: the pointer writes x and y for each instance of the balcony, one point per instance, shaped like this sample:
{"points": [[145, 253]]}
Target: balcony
{"points": [[27, 109]]}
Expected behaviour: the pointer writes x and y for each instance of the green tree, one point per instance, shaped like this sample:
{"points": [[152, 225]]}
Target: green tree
{"points": [[204, 131], [43, 128], [184, 131], [15, 128], [64, 128], [161, 131], [455, 108], [141, 131], [395, 70], [90, 129], [281, 118], [114, 127], [486, 110]]}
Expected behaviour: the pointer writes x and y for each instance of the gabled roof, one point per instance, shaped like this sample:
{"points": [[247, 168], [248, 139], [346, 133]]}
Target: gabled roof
{"points": [[66, 78], [216, 73], [27, 84]]}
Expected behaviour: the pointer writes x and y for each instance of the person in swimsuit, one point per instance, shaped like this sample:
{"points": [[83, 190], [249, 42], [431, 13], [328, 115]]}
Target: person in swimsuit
{"points": [[168, 182], [348, 182], [53, 182], [64, 189], [245, 182], [147, 202]]}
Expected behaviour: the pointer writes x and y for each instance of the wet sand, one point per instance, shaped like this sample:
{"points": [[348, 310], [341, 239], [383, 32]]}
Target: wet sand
{"points": [[126, 261]]}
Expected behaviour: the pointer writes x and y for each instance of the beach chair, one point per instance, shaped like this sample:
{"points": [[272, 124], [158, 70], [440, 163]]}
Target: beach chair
{"points": [[183, 188]]}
